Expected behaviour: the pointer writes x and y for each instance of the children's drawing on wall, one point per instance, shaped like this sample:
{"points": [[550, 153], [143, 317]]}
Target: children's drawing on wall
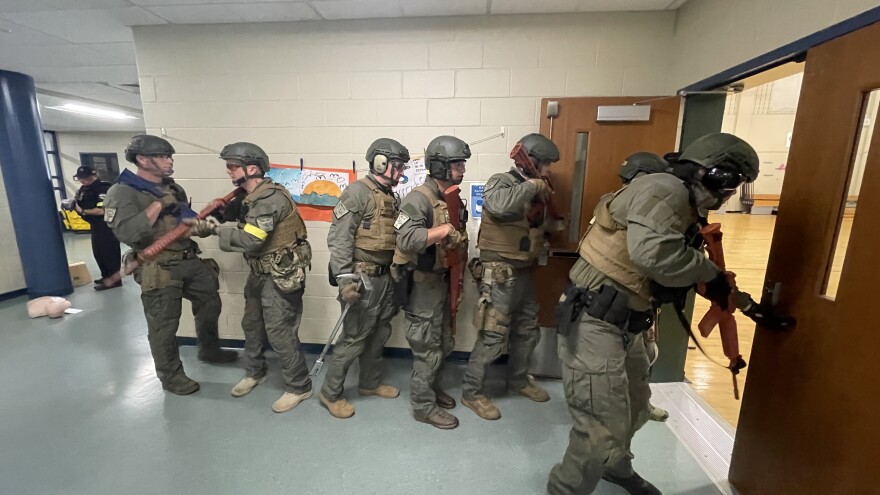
{"points": [[315, 190], [413, 176]]}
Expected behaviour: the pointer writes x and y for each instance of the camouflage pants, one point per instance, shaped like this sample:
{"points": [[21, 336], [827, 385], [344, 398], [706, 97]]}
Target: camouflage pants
{"points": [[194, 279], [365, 330], [270, 313], [430, 338], [512, 314], [605, 377]]}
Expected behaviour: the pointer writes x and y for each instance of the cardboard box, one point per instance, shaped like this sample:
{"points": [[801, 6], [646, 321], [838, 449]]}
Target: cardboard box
{"points": [[79, 274]]}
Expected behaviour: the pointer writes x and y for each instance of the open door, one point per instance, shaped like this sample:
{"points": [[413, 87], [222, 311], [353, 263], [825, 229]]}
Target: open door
{"points": [[808, 422], [590, 154]]}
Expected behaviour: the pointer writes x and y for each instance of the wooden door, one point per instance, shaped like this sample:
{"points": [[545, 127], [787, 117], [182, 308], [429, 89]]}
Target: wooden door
{"points": [[591, 153], [808, 423]]}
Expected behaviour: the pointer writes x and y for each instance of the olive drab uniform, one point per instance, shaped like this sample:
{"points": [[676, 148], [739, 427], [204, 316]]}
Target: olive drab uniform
{"points": [[638, 236], [362, 240], [428, 308], [272, 237], [177, 272], [507, 309], [105, 246]]}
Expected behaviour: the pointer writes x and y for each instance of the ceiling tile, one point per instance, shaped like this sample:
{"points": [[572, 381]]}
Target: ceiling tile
{"points": [[53, 5], [197, 14], [357, 9], [67, 55], [87, 26], [417, 8], [533, 7], [274, 12], [121, 74], [15, 35], [119, 52]]}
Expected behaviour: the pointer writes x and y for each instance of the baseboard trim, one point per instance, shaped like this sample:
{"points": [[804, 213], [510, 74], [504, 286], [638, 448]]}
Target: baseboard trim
{"points": [[699, 428]]}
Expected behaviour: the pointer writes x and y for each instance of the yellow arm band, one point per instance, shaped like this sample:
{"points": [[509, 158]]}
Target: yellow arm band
{"points": [[256, 232]]}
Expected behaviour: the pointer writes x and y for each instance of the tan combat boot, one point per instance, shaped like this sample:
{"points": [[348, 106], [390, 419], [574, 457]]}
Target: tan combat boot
{"points": [[483, 406], [289, 400], [383, 391], [444, 400], [532, 391], [341, 408], [440, 419], [246, 385]]}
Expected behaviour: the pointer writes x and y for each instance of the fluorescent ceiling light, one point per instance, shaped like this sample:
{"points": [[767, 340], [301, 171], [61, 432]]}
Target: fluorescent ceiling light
{"points": [[93, 111]]}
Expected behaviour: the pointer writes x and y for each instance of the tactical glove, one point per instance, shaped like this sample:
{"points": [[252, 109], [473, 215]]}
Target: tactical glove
{"points": [[201, 228], [718, 290], [350, 293]]}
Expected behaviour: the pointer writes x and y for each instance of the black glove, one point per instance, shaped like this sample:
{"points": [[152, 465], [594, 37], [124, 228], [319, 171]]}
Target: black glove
{"points": [[718, 290], [232, 211], [767, 318]]}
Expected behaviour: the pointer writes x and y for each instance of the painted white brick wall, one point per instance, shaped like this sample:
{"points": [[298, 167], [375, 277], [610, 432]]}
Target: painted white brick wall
{"points": [[714, 35], [323, 91]]}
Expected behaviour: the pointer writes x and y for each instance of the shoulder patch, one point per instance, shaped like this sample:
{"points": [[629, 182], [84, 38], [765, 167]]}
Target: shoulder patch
{"points": [[340, 210], [402, 218], [109, 214], [266, 223]]}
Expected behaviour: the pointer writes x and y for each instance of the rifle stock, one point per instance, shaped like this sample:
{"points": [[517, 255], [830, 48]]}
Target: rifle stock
{"points": [[174, 234], [455, 258], [541, 207], [723, 319]]}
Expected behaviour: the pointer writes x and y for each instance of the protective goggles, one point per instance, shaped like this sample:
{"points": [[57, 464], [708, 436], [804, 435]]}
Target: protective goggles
{"points": [[397, 164], [721, 178]]}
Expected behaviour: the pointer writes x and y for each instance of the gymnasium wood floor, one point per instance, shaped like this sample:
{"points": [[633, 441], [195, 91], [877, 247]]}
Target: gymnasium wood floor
{"points": [[746, 241]]}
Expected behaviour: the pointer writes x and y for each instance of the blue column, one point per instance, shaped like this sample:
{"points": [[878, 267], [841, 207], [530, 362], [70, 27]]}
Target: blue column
{"points": [[29, 189]]}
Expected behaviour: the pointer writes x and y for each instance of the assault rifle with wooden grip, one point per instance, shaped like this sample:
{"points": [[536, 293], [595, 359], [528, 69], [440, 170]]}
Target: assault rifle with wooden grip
{"points": [[130, 263], [456, 258], [542, 207]]}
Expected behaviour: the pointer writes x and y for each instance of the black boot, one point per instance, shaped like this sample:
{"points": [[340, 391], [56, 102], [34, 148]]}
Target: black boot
{"points": [[635, 484], [180, 384], [217, 355]]}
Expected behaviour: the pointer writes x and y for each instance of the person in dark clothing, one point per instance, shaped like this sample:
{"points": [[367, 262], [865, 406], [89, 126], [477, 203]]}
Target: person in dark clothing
{"points": [[89, 204]]}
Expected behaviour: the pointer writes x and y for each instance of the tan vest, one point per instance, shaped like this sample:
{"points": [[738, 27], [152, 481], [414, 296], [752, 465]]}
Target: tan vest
{"points": [[289, 231], [440, 215], [380, 236], [506, 238], [604, 247]]}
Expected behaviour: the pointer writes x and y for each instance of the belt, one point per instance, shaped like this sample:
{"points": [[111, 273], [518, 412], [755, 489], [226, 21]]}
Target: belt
{"points": [[608, 305], [370, 269]]}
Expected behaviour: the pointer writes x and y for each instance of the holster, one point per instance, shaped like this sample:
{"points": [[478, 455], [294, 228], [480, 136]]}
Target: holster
{"points": [[403, 283], [568, 312]]}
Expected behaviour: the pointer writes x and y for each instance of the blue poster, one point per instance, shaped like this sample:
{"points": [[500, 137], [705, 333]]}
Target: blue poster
{"points": [[477, 200]]}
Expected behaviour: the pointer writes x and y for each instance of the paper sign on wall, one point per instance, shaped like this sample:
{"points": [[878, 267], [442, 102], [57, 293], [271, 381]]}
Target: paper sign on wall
{"points": [[477, 200], [413, 176]]}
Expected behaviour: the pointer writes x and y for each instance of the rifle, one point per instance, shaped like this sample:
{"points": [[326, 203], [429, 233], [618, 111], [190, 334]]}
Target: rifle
{"points": [[455, 258], [541, 207], [129, 265], [722, 318]]}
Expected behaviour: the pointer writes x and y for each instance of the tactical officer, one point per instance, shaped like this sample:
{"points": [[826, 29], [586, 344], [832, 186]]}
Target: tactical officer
{"points": [[637, 165], [272, 236], [89, 204], [361, 241], [424, 235], [512, 237], [140, 208], [634, 250]]}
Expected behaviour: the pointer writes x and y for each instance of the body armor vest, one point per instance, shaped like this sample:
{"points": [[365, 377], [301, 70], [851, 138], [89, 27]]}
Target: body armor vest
{"points": [[167, 223], [604, 247], [289, 232], [433, 259], [378, 234], [516, 240]]}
